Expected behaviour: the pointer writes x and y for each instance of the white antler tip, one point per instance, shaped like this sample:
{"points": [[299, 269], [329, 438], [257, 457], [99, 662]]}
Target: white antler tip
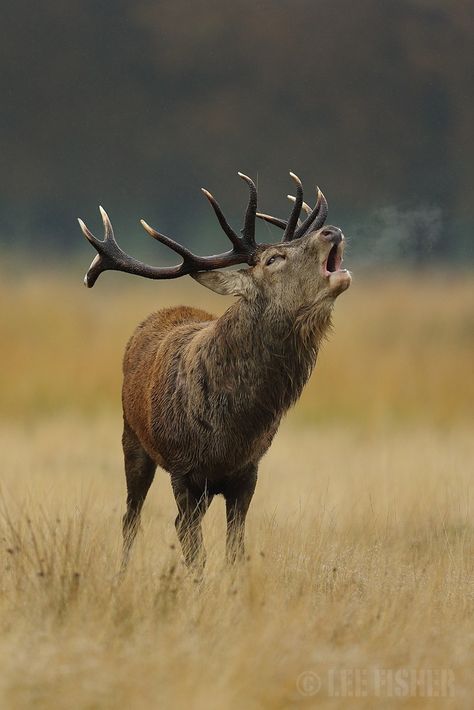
{"points": [[292, 198], [246, 178], [84, 229], [206, 192], [295, 178], [147, 227]]}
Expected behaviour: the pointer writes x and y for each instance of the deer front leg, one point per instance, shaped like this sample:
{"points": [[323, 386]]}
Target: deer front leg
{"points": [[238, 494], [139, 472], [192, 506]]}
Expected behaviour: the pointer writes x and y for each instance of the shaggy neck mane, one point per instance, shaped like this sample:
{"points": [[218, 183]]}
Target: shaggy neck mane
{"points": [[265, 358]]}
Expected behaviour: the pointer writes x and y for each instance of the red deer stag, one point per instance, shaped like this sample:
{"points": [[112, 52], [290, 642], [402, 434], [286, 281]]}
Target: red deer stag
{"points": [[203, 396]]}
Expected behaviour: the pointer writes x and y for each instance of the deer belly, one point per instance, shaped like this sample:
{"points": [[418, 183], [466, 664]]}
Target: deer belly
{"points": [[205, 452]]}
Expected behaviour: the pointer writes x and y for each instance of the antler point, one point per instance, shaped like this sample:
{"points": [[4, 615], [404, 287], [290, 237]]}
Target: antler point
{"points": [[85, 230], [295, 178], [105, 218], [147, 228], [245, 177]]}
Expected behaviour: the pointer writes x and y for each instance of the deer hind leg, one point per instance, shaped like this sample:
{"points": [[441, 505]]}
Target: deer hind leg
{"points": [[139, 473], [192, 506], [238, 495]]}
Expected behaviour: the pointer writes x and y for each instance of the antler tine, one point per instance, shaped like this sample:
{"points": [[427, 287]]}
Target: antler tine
{"points": [[282, 223], [108, 229], [167, 241], [94, 269], [273, 220], [108, 250], [88, 235], [316, 217], [234, 238], [289, 232], [322, 213], [305, 205], [248, 231]]}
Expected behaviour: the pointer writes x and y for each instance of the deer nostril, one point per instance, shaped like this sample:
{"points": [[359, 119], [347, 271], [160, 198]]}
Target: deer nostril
{"points": [[332, 234]]}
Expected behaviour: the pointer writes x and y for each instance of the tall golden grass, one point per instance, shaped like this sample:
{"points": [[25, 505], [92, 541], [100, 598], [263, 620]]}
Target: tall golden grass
{"points": [[360, 535], [401, 348]]}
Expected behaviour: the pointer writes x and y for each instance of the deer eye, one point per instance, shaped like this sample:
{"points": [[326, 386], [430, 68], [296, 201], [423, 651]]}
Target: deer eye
{"points": [[273, 258]]}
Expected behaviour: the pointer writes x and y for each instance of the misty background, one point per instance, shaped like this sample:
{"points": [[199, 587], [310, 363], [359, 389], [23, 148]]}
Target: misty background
{"points": [[136, 105]]}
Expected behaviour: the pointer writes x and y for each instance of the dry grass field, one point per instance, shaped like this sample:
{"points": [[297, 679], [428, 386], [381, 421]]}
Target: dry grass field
{"points": [[359, 586]]}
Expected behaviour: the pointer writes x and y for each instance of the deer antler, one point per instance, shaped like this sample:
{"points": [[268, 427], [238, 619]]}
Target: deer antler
{"points": [[293, 229], [111, 257]]}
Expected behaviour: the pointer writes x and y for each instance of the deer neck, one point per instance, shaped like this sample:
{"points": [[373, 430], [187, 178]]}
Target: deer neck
{"points": [[264, 357]]}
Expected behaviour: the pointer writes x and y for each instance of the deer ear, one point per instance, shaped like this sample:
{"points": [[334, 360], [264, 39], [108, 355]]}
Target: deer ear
{"points": [[227, 283]]}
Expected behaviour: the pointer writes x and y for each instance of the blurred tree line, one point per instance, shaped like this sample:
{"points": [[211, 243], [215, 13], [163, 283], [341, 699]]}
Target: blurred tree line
{"points": [[136, 104]]}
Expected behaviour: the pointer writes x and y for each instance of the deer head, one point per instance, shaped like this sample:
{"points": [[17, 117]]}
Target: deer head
{"points": [[301, 270]]}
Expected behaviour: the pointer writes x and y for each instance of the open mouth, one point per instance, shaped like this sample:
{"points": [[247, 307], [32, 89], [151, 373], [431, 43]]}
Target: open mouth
{"points": [[333, 261]]}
